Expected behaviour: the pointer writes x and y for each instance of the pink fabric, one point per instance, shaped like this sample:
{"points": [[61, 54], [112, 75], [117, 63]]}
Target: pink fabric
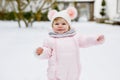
{"points": [[63, 55]]}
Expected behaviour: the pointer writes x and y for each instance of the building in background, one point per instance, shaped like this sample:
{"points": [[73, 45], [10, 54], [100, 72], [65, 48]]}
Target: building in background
{"points": [[85, 8], [89, 10]]}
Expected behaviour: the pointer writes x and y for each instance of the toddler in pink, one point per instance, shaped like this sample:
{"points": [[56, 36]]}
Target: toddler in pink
{"points": [[62, 47]]}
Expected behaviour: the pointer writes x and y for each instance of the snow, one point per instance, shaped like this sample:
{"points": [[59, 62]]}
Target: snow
{"points": [[17, 49]]}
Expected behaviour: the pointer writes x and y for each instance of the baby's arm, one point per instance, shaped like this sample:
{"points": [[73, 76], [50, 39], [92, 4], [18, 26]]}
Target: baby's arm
{"points": [[45, 51], [86, 41]]}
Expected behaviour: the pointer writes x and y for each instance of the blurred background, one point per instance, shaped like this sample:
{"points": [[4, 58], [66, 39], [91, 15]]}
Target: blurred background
{"points": [[29, 11]]}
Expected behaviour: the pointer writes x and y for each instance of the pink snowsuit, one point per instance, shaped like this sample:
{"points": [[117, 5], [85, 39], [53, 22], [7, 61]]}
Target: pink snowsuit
{"points": [[63, 55]]}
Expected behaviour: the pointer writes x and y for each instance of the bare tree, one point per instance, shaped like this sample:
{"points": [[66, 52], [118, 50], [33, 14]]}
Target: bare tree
{"points": [[4, 5], [36, 6], [19, 7], [41, 6]]}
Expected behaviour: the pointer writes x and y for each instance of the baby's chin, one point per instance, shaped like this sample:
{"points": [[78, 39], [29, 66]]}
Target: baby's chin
{"points": [[60, 32]]}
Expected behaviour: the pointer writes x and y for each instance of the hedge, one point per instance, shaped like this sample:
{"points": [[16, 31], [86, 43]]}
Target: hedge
{"points": [[27, 15]]}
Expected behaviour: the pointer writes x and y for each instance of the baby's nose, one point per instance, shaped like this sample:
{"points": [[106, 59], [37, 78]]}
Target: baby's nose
{"points": [[60, 26]]}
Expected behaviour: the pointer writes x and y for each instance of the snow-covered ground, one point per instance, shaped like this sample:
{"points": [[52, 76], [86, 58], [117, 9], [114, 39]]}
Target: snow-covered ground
{"points": [[17, 46]]}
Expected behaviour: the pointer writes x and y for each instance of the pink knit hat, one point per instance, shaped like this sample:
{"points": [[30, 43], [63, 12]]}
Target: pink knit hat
{"points": [[69, 14]]}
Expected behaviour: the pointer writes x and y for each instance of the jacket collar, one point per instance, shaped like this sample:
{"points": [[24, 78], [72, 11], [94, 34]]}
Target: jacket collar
{"points": [[69, 33]]}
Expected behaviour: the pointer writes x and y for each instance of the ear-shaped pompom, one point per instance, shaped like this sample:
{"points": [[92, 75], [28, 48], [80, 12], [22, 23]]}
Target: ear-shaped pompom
{"points": [[72, 11], [51, 13]]}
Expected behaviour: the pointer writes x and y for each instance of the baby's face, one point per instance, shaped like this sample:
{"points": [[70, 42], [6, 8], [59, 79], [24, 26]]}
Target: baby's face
{"points": [[60, 26]]}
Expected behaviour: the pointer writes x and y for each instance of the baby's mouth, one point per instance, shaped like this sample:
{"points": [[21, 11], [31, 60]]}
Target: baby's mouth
{"points": [[60, 29]]}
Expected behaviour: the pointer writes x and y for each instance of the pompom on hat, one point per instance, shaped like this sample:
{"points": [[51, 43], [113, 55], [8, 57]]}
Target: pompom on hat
{"points": [[69, 14]]}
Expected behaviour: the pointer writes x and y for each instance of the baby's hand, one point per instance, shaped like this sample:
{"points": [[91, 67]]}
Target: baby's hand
{"points": [[100, 39], [39, 51]]}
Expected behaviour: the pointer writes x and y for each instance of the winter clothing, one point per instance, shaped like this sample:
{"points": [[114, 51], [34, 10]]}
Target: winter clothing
{"points": [[68, 14], [71, 32], [63, 55]]}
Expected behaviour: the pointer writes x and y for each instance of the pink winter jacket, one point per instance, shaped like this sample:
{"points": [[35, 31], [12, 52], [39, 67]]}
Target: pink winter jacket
{"points": [[63, 55]]}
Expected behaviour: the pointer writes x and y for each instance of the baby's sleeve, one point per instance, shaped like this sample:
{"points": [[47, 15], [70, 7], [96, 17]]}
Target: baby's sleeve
{"points": [[87, 41], [47, 50]]}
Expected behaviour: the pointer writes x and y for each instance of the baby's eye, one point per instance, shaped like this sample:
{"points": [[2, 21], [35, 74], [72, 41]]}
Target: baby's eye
{"points": [[63, 23], [56, 23]]}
